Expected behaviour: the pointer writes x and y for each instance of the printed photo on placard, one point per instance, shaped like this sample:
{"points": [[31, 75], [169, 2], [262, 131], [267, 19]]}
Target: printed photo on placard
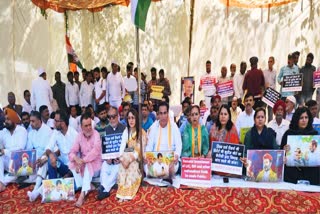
{"points": [[187, 88], [265, 165], [23, 163], [58, 190], [304, 150], [159, 164]]}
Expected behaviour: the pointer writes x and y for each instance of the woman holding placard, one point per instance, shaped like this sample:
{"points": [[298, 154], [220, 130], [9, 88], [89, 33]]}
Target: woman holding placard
{"points": [[195, 139], [301, 124]]}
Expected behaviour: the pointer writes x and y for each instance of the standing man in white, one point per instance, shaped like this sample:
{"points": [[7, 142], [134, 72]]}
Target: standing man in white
{"points": [[208, 91], [41, 93], [115, 87]]}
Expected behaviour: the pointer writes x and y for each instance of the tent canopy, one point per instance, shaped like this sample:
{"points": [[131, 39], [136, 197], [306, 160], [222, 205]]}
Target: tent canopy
{"points": [[256, 3]]}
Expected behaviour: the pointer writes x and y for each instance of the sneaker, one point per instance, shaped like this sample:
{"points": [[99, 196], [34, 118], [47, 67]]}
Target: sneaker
{"points": [[102, 195], [30, 195]]}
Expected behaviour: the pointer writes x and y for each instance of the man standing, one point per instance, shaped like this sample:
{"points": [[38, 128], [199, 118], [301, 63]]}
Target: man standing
{"points": [[26, 106], [165, 83], [222, 79], [100, 88], [59, 92], [115, 87], [76, 79], [289, 69], [85, 157], [86, 90], [245, 119], [110, 167], [279, 124], [307, 85], [208, 91], [37, 139], [164, 135], [238, 83], [151, 83], [12, 103], [254, 82], [41, 93], [13, 138], [128, 79], [72, 92], [270, 76]]}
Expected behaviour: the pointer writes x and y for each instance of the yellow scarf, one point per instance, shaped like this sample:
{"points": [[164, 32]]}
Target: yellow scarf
{"points": [[199, 140], [169, 136]]}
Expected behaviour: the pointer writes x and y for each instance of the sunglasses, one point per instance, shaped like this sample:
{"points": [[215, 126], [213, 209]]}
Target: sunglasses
{"points": [[112, 116]]}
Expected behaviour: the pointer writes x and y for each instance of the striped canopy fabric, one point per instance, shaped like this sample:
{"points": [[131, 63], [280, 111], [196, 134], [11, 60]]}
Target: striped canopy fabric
{"points": [[256, 3]]}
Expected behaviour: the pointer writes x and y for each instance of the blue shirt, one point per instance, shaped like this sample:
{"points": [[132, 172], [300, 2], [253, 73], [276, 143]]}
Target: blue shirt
{"points": [[284, 71], [152, 116], [147, 124]]}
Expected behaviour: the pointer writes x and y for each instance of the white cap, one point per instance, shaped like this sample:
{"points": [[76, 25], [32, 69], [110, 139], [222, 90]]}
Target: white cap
{"points": [[292, 99], [114, 62], [41, 71]]}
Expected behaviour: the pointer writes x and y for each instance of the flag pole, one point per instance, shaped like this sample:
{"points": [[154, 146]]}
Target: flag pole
{"points": [[139, 99]]}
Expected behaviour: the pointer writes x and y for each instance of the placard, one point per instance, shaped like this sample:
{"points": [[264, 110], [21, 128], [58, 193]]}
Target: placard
{"points": [[130, 84], [111, 145], [196, 172], [23, 163], [316, 127], [202, 111], [159, 164], [225, 89], [316, 79], [226, 157], [243, 132], [187, 88], [157, 92], [271, 96], [292, 83], [265, 165], [208, 82], [304, 150], [58, 190]]}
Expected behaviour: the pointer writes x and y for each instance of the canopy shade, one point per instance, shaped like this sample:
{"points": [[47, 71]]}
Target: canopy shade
{"points": [[92, 5], [256, 3]]}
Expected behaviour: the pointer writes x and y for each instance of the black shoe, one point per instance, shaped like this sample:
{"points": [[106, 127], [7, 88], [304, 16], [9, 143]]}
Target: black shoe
{"points": [[24, 185], [102, 195]]}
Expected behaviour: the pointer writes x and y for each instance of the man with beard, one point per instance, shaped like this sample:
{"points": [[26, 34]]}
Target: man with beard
{"points": [[13, 138], [110, 167], [85, 157], [245, 119], [25, 119], [313, 107], [238, 82], [45, 116], [104, 122], [151, 83], [267, 174], [279, 124], [312, 156], [115, 87], [37, 139], [307, 85]]}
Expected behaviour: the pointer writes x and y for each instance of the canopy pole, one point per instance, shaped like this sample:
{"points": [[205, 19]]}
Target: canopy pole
{"points": [[190, 33]]}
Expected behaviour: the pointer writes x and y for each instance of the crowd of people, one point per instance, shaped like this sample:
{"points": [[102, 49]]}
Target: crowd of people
{"points": [[67, 123]]}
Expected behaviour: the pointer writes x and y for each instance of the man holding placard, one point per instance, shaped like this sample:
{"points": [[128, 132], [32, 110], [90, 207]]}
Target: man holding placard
{"points": [[13, 137], [207, 83], [115, 87]]}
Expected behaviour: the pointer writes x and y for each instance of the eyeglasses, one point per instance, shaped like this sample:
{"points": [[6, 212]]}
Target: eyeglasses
{"points": [[112, 116], [194, 114]]}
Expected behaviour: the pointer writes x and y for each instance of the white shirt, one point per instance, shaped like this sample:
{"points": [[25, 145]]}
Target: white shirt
{"points": [[115, 87], [61, 142], [41, 94], [38, 139], [270, 78], [289, 115], [244, 121], [237, 85], [16, 141], [99, 87], [280, 130], [26, 107], [73, 122], [205, 117], [153, 137], [86, 94], [72, 94], [211, 91], [316, 120]]}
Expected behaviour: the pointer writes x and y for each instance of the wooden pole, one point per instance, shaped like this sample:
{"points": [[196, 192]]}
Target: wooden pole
{"points": [[190, 33]]}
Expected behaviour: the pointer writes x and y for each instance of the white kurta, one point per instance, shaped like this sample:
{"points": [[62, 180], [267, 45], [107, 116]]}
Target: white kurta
{"points": [[26, 107], [244, 121], [279, 129], [72, 94], [86, 94], [41, 94], [115, 89], [99, 87]]}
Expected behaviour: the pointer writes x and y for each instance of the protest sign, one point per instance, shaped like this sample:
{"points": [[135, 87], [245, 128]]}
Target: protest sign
{"points": [[23, 163], [316, 79], [225, 89], [208, 82], [187, 88], [271, 96], [292, 83], [58, 189], [265, 165], [157, 92], [196, 172], [159, 164], [226, 157], [111, 145]]}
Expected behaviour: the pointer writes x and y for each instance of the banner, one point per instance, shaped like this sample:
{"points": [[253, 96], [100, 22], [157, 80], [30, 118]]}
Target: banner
{"points": [[187, 88], [225, 89], [111, 145], [316, 79], [226, 157], [304, 150], [58, 190], [202, 111], [265, 165], [157, 92], [208, 82], [292, 83], [159, 164], [196, 172], [23, 163], [271, 96]]}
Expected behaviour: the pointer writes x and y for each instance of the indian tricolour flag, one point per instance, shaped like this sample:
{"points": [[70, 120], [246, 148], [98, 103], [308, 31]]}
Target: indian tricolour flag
{"points": [[73, 59], [139, 12]]}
